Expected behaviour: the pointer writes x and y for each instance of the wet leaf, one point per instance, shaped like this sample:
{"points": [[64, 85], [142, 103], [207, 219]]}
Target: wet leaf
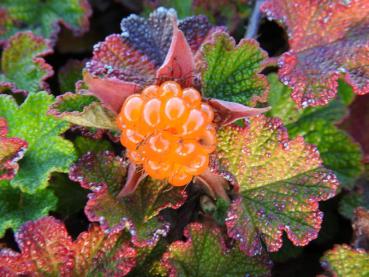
{"points": [[43, 17], [328, 40], [47, 152], [204, 254], [343, 261], [47, 249], [17, 207], [317, 125], [11, 151], [84, 110], [280, 184], [105, 175], [231, 72], [23, 68]]}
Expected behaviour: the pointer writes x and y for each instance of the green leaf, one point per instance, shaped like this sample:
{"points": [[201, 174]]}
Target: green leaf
{"points": [[17, 207], [204, 254], [47, 152], [69, 74], [84, 145], [84, 110], [231, 72], [105, 175], [316, 124], [43, 17], [343, 261], [281, 182], [23, 68]]}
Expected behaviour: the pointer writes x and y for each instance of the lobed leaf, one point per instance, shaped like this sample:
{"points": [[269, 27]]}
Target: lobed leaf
{"points": [[48, 250], [343, 261], [231, 72], [106, 175], [47, 152], [23, 68], [11, 151], [83, 109], [280, 184], [316, 124], [205, 254], [328, 40], [17, 207], [43, 18]]}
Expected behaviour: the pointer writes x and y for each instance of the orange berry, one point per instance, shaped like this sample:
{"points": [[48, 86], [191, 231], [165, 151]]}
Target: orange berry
{"points": [[175, 110], [160, 146], [150, 91], [193, 124], [151, 112], [168, 131], [198, 164], [169, 89], [179, 178], [207, 110], [158, 170], [135, 156], [131, 138], [132, 110], [186, 150], [192, 97], [208, 139]]}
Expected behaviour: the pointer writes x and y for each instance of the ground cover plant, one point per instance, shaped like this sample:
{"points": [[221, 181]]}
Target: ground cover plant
{"points": [[184, 138]]}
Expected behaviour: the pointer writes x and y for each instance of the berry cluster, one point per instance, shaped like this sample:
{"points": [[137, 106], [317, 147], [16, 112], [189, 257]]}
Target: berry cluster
{"points": [[168, 131]]}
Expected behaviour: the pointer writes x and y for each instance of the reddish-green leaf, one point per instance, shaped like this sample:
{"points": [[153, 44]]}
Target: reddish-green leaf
{"points": [[328, 40], [23, 68], [43, 17], [105, 175], [205, 254], [48, 250], [343, 261], [11, 151], [280, 184]]}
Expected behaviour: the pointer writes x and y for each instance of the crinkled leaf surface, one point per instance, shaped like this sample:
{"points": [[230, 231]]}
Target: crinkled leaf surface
{"points": [[316, 124], [84, 110], [43, 17], [328, 39], [11, 150], [23, 68], [47, 152], [231, 72], [48, 250], [343, 261], [69, 74], [85, 144], [105, 175], [281, 182], [205, 254], [17, 207]]}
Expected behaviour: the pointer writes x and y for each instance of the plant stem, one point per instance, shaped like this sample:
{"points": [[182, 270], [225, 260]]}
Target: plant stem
{"points": [[252, 28]]}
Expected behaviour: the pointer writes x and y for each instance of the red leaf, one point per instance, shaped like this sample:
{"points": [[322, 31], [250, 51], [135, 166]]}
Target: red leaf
{"points": [[179, 63], [229, 112], [111, 92], [11, 151], [48, 250], [328, 40]]}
